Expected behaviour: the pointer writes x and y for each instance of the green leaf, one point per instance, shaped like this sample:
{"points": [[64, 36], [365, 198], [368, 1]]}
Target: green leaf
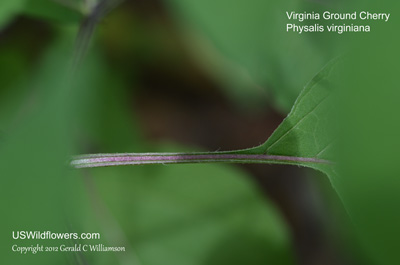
{"points": [[194, 214], [306, 131], [9, 9], [54, 11], [252, 34], [369, 181], [34, 177]]}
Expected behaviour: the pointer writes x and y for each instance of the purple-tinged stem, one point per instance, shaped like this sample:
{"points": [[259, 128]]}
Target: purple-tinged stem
{"points": [[104, 160]]}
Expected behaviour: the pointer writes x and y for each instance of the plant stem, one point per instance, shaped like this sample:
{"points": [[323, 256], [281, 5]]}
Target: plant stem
{"points": [[121, 159], [96, 13]]}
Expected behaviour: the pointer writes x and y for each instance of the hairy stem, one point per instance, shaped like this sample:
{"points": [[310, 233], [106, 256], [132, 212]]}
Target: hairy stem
{"points": [[104, 160]]}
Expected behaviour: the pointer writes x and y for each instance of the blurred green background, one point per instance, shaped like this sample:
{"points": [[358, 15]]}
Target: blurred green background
{"points": [[185, 75]]}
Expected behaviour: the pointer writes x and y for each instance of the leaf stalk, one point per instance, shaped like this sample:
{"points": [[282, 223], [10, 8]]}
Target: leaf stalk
{"points": [[122, 159]]}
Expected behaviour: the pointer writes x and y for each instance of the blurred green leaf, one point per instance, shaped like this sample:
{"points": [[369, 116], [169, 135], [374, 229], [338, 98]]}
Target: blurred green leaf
{"points": [[54, 11], [9, 9], [207, 214], [368, 180], [32, 154], [252, 34]]}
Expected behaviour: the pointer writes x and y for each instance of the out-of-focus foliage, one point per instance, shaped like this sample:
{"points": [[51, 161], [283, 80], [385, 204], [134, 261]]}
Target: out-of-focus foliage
{"points": [[208, 214], [193, 215], [164, 215], [252, 34], [177, 215], [43, 9], [32, 156], [54, 11], [9, 9], [369, 182]]}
